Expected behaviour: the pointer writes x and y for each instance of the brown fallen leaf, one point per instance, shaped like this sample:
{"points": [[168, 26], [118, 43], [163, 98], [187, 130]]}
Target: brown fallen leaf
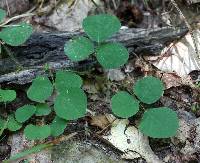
{"points": [[100, 121]]}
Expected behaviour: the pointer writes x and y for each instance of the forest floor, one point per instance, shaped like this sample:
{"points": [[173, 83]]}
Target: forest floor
{"points": [[177, 66]]}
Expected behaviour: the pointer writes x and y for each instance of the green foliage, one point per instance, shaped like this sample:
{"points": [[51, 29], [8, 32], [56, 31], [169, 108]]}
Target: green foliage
{"points": [[7, 95], [42, 109], [33, 132], [58, 126], [159, 123], [2, 15], [40, 90], [71, 105], [112, 55], [13, 125], [65, 80], [98, 28], [124, 105], [16, 35], [2, 122], [101, 27], [72, 49], [70, 102], [148, 89], [23, 113], [27, 152]]}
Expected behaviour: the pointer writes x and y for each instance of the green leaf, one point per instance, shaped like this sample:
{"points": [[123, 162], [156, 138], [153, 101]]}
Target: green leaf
{"points": [[101, 27], [17, 34], [112, 55], [3, 126], [149, 89], [58, 126], [37, 132], [27, 152], [42, 109], [23, 113], [79, 49], [2, 123], [7, 95], [159, 123], [2, 15], [124, 105], [40, 90], [65, 80], [13, 125], [71, 105]]}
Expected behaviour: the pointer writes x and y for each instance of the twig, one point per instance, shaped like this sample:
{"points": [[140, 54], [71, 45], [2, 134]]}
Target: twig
{"points": [[16, 17], [8, 8], [188, 26]]}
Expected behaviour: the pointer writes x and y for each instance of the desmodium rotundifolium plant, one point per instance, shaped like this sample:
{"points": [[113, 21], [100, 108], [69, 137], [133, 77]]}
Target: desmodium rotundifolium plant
{"points": [[13, 35], [98, 28], [70, 102]]}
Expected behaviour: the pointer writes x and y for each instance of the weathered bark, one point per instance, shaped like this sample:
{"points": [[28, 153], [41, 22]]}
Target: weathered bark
{"points": [[44, 48]]}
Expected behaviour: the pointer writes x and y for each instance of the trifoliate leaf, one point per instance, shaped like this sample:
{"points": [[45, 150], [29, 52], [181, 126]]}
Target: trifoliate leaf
{"points": [[148, 89], [40, 90], [124, 105], [71, 105], [17, 34], [23, 113], [112, 55], [2, 123], [13, 125], [159, 123], [42, 109], [79, 48], [37, 132], [101, 27], [2, 15], [7, 95], [58, 126], [65, 80]]}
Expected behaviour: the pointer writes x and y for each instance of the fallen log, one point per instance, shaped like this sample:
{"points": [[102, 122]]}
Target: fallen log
{"points": [[47, 48]]}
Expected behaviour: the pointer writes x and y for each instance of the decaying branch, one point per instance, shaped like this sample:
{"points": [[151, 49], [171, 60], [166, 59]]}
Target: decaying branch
{"points": [[43, 48]]}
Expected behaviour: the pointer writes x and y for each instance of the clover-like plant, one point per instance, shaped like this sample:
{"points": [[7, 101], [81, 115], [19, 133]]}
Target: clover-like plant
{"points": [[13, 35], [98, 28], [9, 122], [159, 122], [70, 103]]}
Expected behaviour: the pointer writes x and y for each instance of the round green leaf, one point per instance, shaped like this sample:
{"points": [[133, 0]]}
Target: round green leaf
{"points": [[37, 132], [42, 109], [2, 14], [149, 89], [101, 27], [17, 34], [79, 48], [40, 90], [7, 95], [23, 113], [159, 123], [13, 125], [58, 126], [71, 105], [112, 55], [124, 105], [65, 80]]}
